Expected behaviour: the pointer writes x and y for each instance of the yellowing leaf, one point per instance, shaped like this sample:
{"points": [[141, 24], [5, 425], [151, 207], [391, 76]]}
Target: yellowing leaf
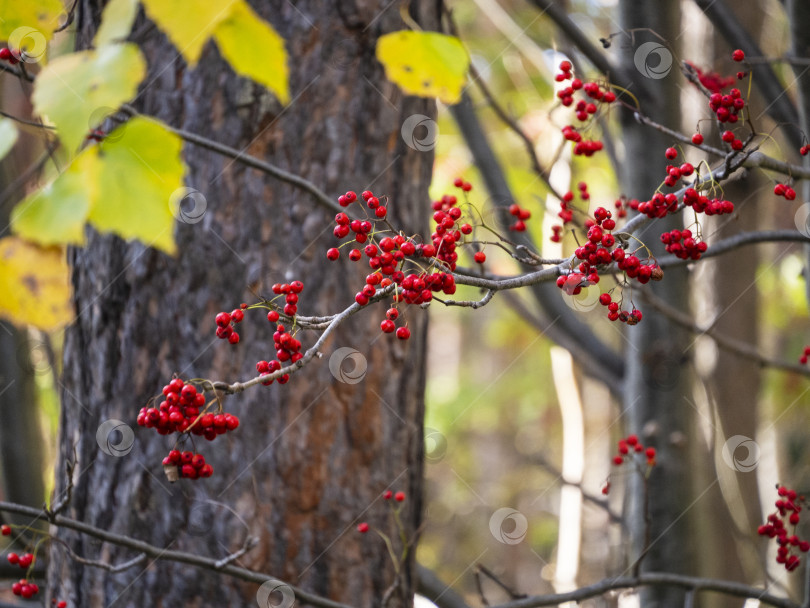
{"points": [[425, 64], [254, 49], [8, 136], [188, 23], [56, 213], [35, 284], [137, 174], [74, 90], [116, 21], [41, 16]]}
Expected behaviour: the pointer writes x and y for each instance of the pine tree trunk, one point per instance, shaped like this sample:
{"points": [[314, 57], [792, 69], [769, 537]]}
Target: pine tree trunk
{"points": [[311, 458]]}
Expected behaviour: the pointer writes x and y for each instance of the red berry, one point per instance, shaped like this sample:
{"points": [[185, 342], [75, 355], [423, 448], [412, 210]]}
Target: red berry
{"points": [[617, 460], [480, 257], [403, 333], [399, 496], [13, 558], [233, 338], [671, 153], [223, 319], [738, 55], [387, 494], [697, 139], [5, 54], [362, 528], [333, 254], [62, 604], [5, 530], [387, 326]]}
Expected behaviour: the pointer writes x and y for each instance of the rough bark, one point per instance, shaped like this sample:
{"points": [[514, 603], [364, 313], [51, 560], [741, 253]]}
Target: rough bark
{"points": [[656, 379], [312, 457]]}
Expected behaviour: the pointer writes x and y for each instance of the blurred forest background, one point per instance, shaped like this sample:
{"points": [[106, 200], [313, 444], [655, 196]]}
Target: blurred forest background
{"points": [[511, 421]]}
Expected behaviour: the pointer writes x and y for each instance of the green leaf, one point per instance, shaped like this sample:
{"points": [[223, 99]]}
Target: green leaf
{"points": [[188, 23], [8, 136], [425, 64], [139, 169], [78, 91], [254, 49], [57, 213], [41, 16], [35, 283], [116, 21]]}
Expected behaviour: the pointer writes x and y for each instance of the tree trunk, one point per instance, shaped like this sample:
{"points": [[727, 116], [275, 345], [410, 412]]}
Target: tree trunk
{"points": [[312, 457], [656, 380]]}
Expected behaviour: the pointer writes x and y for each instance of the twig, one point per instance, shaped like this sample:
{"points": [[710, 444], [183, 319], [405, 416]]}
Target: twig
{"points": [[474, 304], [98, 564], [491, 575], [250, 542]]}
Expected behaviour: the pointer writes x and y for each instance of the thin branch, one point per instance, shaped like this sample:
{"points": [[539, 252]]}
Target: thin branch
{"points": [[652, 579], [474, 304], [98, 564], [481, 569], [191, 559], [743, 349], [432, 587]]}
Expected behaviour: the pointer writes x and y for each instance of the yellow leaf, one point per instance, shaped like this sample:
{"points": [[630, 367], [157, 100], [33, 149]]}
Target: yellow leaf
{"points": [[56, 213], [39, 18], [139, 170], [116, 21], [8, 136], [35, 284], [425, 64], [254, 49], [188, 23], [78, 91]]}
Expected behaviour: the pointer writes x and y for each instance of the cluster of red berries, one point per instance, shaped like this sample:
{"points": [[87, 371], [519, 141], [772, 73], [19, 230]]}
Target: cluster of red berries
{"points": [[731, 139], [584, 109], [674, 173], [25, 589], [363, 527], [566, 212], [632, 444], [13, 57], [225, 324], [803, 359], [681, 244], [788, 506], [621, 211], [288, 348], [727, 107], [291, 292], [785, 191], [182, 411], [388, 324], [372, 202], [632, 317], [24, 561], [460, 183], [190, 465], [520, 215], [713, 81], [702, 204]]}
